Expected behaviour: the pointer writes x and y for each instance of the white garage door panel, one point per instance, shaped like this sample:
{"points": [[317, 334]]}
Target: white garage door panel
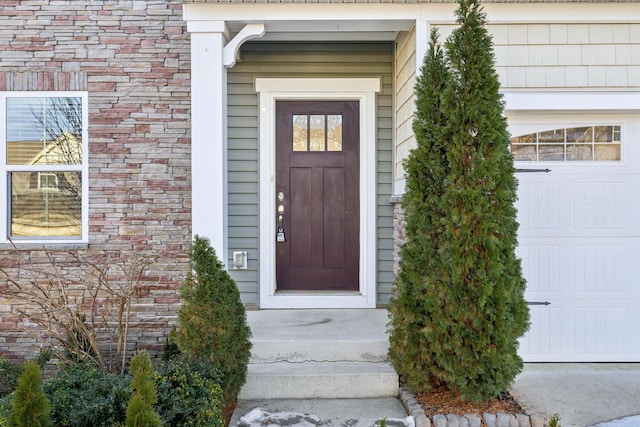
{"points": [[580, 249], [559, 205], [581, 331]]}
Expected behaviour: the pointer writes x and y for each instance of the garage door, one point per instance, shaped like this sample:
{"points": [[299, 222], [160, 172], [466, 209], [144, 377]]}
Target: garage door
{"points": [[579, 237]]}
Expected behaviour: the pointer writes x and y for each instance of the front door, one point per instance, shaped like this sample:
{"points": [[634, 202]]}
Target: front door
{"points": [[317, 195]]}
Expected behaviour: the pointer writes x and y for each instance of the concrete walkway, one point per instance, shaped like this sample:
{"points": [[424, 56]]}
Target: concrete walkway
{"points": [[583, 394]]}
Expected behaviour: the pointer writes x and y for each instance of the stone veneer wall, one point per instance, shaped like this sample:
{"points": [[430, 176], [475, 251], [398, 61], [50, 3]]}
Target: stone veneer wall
{"points": [[399, 237], [133, 59]]}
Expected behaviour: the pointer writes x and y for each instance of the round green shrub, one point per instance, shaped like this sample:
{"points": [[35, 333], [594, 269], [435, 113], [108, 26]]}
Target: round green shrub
{"points": [[85, 395], [189, 394], [9, 373], [5, 408]]}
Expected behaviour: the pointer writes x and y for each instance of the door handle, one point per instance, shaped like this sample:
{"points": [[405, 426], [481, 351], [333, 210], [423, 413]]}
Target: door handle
{"points": [[280, 236]]}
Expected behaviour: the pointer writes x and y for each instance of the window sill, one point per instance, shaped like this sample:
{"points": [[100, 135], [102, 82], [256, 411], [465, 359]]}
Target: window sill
{"points": [[47, 246]]}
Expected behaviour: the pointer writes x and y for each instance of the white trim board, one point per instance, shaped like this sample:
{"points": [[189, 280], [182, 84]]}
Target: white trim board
{"points": [[363, 90], [570, 100], [274, 14]]}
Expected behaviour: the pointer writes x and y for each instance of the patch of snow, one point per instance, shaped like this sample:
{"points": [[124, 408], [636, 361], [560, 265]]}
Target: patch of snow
{"points": [[259, 417], [623, 422]]}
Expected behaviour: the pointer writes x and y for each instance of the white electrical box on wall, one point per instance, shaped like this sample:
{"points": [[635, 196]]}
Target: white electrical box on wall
{"points": [[240, 260]]}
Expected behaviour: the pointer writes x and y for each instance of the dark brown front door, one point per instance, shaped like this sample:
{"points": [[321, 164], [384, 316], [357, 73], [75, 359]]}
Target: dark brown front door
{"points": [[317, 195]]}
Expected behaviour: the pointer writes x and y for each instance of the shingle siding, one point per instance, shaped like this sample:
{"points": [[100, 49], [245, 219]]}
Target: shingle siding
{"points": [[565, 55], [405, 78]]}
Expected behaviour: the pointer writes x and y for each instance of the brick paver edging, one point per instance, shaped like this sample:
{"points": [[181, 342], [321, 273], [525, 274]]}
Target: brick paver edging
{"points": [[414, 409]]}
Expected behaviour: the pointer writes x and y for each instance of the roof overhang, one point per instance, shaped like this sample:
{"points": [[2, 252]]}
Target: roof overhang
{"points": [[382, 21]]}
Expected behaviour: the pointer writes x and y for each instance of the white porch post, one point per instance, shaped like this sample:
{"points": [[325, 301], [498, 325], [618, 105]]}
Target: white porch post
{"points": [[209, 134], [423, 30]]}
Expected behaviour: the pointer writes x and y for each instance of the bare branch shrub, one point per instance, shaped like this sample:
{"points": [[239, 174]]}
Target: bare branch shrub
{"points": [[81, 303]]}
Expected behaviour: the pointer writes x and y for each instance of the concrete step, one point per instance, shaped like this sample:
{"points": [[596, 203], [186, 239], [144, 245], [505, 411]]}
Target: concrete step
{"points": [[318, 335], [320, 380], [327, 354], [321, 350]]}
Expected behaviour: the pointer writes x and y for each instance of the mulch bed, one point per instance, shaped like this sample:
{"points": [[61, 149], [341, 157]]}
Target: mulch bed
{"points": [[442, 401], [227, 412]]}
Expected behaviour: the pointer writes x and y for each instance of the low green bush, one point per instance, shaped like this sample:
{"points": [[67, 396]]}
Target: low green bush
{"points": [[5, 408], [85, 395], [189, 394], [9, 373], [170, 349]]}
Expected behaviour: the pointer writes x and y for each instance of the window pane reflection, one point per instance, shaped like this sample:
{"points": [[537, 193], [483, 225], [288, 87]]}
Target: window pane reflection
{"points": [[581, 134], [524, 152], [44, 131], [45, 203], [551, 136], [334, 132], [580, 152], [300, 133], [317, 132], [607, 152], [550, 152]]}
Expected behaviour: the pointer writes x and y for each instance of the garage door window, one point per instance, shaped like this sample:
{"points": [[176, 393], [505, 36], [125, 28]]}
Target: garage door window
{"points": [[583, 143]]}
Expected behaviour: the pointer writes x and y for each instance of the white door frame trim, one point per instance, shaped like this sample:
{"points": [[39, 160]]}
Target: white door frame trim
{"points": [[360, 89]]}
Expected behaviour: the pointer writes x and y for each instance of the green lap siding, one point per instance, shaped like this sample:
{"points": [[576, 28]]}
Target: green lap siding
{"points": [[262, 59]]}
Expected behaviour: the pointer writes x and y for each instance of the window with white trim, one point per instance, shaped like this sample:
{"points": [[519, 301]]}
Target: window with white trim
{"points": [[582, 143], [43, 136]]}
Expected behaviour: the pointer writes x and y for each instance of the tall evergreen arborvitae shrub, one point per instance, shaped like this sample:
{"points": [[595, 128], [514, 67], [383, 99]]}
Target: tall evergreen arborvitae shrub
{"points": [[415, 289], [486, 312], [472, 292], [212, 320], [140, 412], [30, 405]]}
